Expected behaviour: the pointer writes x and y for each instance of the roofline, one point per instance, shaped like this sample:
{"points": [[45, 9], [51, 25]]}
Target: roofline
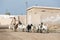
{"points": [[43, 7]]}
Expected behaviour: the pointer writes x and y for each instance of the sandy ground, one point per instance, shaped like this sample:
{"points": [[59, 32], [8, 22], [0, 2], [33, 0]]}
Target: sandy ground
{"points": [[6, 34]]}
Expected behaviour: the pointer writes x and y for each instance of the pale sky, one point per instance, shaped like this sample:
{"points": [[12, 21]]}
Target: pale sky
{"points": [[17, 7]]}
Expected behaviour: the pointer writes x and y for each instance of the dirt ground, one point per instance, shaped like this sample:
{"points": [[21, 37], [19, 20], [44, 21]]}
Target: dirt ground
{"points": [[6, 34]]}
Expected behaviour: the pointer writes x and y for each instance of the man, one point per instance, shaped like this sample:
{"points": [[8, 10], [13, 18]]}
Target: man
{"points": [[13, 23]]}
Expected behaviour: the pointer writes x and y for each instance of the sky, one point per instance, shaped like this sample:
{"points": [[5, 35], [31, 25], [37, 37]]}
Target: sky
{"points": [[18, 7]]}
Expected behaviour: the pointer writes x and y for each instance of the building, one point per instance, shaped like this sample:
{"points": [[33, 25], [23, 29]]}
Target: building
{"points": [[47, 15]]}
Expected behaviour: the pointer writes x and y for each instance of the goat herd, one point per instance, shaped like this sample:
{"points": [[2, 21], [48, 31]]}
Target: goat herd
{"points": [[29, 28], [18, 26]]}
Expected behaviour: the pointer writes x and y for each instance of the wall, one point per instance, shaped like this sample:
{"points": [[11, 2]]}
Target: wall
{"points": [[6, 19]]}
